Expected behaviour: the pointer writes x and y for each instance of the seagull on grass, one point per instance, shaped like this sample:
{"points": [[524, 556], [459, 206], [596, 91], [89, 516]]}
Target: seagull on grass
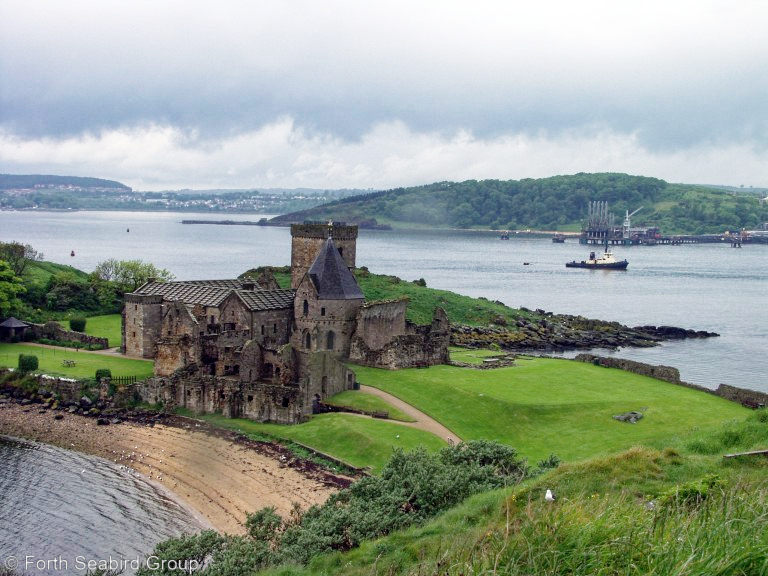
{"points": [[549, 497]]}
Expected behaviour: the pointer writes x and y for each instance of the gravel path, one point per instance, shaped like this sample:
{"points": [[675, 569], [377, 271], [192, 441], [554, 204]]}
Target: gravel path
{"points": [[423, 421]]}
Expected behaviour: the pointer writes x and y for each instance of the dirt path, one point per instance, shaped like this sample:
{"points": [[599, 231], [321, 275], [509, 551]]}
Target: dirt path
{"points": [[423, 422]]}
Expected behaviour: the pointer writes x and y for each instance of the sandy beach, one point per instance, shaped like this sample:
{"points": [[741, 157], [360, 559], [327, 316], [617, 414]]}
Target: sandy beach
{"points": [[217, 475]]}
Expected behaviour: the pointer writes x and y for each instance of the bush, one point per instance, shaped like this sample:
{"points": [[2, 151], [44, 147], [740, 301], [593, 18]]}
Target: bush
{"points": [[103, 373], [77, 324], [27, 363]]}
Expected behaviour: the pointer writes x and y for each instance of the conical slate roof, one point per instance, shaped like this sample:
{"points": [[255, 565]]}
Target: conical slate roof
{"points": [[331, 277], [14, 323]]}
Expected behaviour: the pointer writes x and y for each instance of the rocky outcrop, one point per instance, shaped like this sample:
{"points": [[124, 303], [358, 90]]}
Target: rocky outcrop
{"points": [[544, 331]]}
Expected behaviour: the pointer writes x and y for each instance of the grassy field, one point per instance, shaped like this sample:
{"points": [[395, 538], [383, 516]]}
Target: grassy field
{"points": [[86, 363], [108, 326], [358, 441], [368, 403], [544, 406]]}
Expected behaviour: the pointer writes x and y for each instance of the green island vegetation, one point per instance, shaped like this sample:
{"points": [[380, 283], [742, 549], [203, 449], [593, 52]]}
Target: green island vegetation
{"points": [[554, 203], [422, 300]]}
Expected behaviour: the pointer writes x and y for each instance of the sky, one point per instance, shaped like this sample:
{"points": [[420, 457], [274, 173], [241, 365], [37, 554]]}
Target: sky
{"points": [[172, 94]]}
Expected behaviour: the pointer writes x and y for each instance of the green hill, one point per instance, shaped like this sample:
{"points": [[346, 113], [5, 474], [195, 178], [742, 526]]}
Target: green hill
{"points": [[555, 203], [41, 181]]}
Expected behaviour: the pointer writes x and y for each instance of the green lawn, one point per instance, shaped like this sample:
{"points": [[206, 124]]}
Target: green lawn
{"points": [[368, 403], [108, 326], [356, 440], [544, 406], [86, 363]]}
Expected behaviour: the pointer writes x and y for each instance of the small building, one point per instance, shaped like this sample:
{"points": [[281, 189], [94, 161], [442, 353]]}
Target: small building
{"points": [[13, 329]]}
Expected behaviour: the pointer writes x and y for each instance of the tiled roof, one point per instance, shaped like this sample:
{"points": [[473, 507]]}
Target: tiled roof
{"points": [[331, 277], [213, 293], [206, 293], [267, 299]]}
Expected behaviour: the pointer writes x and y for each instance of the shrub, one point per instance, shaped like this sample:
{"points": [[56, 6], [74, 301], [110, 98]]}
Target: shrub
{"points": [[103, 373], [77, 324], [27, 363]]}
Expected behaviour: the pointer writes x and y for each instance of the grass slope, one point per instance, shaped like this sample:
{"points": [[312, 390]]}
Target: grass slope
{"points": [[107, 326], [368, 403], [640, 511], [359, 441], [422, 300], [544, 406]]}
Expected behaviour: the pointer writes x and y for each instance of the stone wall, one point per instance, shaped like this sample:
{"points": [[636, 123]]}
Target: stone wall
{"points": [[143, 316], [379, 322], [749, 398], [420, 346], [308, 239], [666, 373], [54, 331]]}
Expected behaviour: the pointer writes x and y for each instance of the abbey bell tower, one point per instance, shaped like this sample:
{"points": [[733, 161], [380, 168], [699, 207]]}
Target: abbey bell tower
{"points": [[307, 240]]}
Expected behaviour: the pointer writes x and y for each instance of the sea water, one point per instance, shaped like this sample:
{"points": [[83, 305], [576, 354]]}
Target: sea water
{"points": [[55, 502], [710, 287], [62, 511]]}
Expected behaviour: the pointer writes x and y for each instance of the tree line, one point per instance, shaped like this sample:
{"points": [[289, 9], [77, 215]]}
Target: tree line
{"points": [[557, 202], [37, 291]]}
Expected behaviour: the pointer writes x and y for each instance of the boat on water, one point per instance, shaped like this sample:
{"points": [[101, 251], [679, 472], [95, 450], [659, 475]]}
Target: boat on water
{"points": [[606, 261], [558, 238]]}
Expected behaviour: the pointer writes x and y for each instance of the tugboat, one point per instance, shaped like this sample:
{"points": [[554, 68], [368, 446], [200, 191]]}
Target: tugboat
{"points": [[605, 262]]}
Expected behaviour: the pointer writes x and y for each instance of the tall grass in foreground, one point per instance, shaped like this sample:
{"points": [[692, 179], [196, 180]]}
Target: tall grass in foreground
{"points": [[668, 511], [726, 533]]}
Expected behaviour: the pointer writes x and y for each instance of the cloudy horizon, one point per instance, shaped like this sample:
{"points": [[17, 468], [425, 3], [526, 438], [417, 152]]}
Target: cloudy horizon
{"points": [[233, 94]]}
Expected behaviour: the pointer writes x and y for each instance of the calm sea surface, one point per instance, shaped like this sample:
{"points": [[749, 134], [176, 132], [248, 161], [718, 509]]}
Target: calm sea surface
{"points": [[49, 507], [65, 509], [709, 287]]}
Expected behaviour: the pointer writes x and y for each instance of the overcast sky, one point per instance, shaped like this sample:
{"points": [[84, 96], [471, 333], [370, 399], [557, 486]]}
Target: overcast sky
{"points": [[171, 94]]}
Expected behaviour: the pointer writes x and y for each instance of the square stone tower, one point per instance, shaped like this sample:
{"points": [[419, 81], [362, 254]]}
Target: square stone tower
{"points": [[308, 239]]}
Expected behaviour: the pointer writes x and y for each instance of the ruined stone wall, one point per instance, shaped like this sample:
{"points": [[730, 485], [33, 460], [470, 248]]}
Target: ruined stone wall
{"points": [[234, 315], [308, 239], [751, 398], [420, 346], [666, 373], [179, 343], [262, 402], [141, 328], [323, 375], [55, 331], [272, 328], [378, 323]]}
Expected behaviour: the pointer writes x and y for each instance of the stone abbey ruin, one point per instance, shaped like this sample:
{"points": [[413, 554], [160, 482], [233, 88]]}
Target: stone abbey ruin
{"points": [[246, 348]]}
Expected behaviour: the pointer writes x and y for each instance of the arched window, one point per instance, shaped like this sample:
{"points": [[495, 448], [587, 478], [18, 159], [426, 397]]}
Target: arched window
{"points": [[306, 307], [307, 341], [329, 341]]}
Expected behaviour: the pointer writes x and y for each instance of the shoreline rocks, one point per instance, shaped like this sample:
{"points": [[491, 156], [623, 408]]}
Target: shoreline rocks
{"points": [[544, 331]]}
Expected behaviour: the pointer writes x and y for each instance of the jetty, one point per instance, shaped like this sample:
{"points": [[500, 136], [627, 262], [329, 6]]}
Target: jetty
{"points": [[602, 229]]}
